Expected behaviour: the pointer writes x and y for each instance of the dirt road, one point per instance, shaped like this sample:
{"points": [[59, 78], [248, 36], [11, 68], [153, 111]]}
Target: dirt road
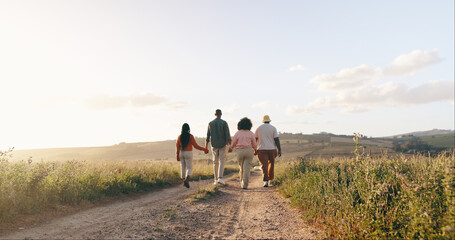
{"points": [[234, 213]]}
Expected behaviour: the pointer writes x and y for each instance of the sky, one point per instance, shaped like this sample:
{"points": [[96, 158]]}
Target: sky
{"points": [[96, 73]]}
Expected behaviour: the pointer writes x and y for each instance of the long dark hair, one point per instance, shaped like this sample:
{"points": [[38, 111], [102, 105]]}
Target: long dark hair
{"points": [[185, 136]]}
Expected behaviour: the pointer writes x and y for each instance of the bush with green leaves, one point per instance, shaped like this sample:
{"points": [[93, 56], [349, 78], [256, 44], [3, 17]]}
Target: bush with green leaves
{"points": [[387, 197]]}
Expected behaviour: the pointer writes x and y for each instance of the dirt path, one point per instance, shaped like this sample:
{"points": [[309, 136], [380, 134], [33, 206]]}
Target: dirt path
{"points": [[255, 213]]}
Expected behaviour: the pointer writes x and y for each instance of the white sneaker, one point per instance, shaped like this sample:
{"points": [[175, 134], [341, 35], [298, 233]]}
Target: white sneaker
{"points": [[215, 182], [221, 181], [266, 183]]}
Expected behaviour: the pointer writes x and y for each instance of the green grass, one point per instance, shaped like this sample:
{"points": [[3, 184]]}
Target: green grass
{"points": [[445, 140], [375, 198], [28, 187], [307, 137], [204, 193]]}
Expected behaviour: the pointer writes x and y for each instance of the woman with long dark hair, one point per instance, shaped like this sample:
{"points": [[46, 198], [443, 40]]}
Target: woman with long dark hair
{"points": [[244, 143], [184, 145]]}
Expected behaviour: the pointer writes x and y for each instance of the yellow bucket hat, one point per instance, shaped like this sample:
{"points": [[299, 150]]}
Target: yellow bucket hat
{"points": [[266, 118]]}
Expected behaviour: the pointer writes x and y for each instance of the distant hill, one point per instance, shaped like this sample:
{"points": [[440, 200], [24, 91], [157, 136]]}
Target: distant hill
{"points": [[162, 150], [425, 133], [294, 145]]}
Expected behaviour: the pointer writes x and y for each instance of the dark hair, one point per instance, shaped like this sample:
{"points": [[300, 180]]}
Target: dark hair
{"points": [[185, 136], [244, 124]]}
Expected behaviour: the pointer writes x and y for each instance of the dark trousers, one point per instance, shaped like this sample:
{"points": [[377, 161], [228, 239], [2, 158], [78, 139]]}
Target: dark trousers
{"points": [[267, 159]]}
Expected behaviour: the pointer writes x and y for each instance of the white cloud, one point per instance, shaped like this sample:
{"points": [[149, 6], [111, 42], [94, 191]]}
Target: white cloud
{"points": [[408, 64], [104, 101], [376, 96], [347, 78], [356, 91], [145, 100], [298, 67], [434, 91]]}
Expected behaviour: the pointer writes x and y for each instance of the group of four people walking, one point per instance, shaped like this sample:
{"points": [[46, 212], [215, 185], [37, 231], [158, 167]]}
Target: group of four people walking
{"points": [[264, 143]]}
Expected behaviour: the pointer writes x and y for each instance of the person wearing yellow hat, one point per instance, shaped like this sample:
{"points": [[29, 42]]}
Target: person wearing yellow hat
{"points": [[268, 143]]}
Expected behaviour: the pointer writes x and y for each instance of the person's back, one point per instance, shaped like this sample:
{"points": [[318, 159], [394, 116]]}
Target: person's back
{"points": [[218, 133], [268, 143], [266, 134]]}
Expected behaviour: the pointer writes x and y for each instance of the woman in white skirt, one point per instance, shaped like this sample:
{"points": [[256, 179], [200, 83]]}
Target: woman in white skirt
{"points": [[244, 143], [184, 145]]}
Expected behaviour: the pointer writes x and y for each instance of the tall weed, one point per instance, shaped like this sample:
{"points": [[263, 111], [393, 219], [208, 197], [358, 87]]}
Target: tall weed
{"points": [[376, 198], [29, 187]]}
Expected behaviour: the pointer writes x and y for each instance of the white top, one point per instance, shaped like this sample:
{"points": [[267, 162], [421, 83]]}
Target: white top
{"points": [[266, 134]]}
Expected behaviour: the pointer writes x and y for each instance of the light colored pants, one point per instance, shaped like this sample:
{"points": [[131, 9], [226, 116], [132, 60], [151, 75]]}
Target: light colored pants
{"points": [[244, 157], [219, 156], [186, 163]]}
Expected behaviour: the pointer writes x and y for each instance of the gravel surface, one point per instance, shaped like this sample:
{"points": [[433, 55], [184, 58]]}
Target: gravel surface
{"points": [[234, 213]]}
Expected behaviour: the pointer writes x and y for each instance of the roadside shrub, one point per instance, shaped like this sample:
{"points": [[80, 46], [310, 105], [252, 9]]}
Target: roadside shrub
{"points": [[376, 198], [29, 187]]}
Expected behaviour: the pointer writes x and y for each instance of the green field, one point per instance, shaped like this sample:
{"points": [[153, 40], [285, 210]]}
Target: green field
{"points": [[445, 140]]}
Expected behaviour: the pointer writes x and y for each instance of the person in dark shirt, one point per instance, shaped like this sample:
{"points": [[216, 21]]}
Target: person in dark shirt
{"points": [[219, 137]]}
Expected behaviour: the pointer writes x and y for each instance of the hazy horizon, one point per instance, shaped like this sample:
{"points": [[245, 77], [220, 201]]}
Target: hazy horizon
{"points": [[97, 73]]}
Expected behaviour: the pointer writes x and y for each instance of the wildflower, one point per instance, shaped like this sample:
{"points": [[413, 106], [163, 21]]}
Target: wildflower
{"points": [[399, 175], [405, 185], [357, 217], [344, 220], [426, 213], [448, 229], [417, 188], [432, 195], [382, 204]]}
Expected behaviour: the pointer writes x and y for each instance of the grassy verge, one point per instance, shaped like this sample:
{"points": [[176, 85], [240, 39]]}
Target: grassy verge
{"points": [[28, 188], [375, 198], [204, 193]]}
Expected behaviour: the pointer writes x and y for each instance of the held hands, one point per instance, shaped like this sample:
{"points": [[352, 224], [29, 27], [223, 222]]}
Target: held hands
{"points": [[230, 149], [206, 150], [178, 157]]}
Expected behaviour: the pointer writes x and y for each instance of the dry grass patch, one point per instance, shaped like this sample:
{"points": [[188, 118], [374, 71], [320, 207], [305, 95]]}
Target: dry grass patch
{"points": [[204, 193]]}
